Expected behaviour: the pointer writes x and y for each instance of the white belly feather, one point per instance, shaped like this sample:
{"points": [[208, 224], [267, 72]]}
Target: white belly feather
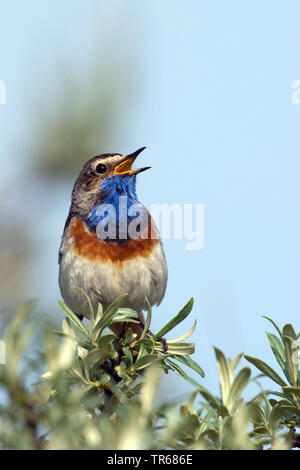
{"points": [[103, 282]]}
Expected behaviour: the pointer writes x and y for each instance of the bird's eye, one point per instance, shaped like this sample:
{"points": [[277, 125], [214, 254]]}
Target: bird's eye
{"points": [[101, 168]]}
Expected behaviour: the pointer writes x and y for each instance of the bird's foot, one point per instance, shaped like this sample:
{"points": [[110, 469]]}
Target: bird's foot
{"points": [[163, 341]]}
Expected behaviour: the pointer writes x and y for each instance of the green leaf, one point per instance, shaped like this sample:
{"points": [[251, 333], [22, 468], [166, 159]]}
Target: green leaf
{"points": [[84, 344], [211, 399], [128, 355], [288, 337], [105, 340], [74, 319], [143, 351], [92, 314], [99, 313], [185, 336], [224, 374], [277, 413], [127, 312], [148, 342], [182, 349], [293, 390], [273, 402], [278, 351], [184, 312], [117, 320], [267, 370], [82, 352], [121, 372], [178, 369], [240, 382], [94, 357], [288, 330], [274, 324], [261, 430], [256, 413], [104, 379], [187, 361], [283, 395], [291, 409], [114, 307], [77, 372], [232, 364], [121, 318], [104, 318], [212, 434], [146, 361], [67, 328], [148, 320]]}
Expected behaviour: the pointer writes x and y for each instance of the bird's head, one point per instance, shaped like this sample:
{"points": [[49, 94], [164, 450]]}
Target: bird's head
{"points": [[103, 179]]}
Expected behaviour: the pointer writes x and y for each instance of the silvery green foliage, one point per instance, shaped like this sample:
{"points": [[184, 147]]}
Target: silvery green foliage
{"points": [[96, 391]]}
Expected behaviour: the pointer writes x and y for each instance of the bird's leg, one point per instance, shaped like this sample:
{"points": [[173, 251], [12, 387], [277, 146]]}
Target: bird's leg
{"points": [[164, 344], [121, 328]]}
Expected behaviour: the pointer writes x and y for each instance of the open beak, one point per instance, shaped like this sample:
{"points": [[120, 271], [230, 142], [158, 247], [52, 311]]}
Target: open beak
{"points": [[124, 168]]}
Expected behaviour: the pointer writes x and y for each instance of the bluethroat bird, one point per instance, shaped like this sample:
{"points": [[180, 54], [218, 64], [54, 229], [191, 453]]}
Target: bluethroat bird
{"points": [[130, 260]]}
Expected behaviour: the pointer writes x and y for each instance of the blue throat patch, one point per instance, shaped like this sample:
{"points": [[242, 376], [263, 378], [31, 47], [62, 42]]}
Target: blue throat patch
{"points": [[115, 212]]}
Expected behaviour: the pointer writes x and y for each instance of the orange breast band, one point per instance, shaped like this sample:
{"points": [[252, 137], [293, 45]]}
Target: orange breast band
{"points": [[87, 244]]}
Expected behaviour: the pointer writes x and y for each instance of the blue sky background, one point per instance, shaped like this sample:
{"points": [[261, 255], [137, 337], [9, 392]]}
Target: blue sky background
{"points": [[213, 106]]}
